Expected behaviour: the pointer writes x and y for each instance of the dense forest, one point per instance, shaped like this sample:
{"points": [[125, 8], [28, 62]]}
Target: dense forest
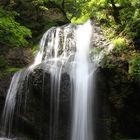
{"points": [[23, 22]]}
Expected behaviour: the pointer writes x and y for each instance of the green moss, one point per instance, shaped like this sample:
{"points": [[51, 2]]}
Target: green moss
{"points": [[12, 69], [7, 71]]}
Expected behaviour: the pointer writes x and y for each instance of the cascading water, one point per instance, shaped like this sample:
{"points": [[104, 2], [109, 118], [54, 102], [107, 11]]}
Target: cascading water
{"points": [[81, 125], [56, 45], [10, 102], [15, 88], [54, 48], [61, 46]]}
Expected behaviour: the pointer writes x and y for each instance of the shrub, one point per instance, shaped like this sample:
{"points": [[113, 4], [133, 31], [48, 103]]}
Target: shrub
{"points": [[11, 32], [120, 45]]}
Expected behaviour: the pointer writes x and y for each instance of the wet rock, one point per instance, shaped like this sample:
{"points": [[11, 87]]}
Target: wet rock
{"points": [[98, 39]]}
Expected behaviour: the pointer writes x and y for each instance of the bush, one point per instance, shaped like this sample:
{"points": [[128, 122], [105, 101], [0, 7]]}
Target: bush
{"points": [[11, 32], [120, 45]]}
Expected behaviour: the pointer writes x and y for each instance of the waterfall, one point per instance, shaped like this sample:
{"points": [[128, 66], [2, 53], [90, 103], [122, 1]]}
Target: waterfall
{"points": [[59, 47], [81, 125]]}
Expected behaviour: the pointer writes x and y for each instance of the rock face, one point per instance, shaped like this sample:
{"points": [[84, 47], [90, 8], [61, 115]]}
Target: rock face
{"points": [[19, 57], [98, 40], [15, 57], [123, 98]]}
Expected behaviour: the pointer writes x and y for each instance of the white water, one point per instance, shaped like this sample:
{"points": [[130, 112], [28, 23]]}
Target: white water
{"points": [[10, 103], [11, 100], [58, 57], [81, 127], [55, 84]]}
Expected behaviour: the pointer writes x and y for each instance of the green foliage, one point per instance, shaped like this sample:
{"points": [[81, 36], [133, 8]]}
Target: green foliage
{"points": [[134, 65], [80, 11], [118, 17], [59, 2], [38, 15], [35, 48], [120, 45], [130, 20], [11, 32], [7, 70]]}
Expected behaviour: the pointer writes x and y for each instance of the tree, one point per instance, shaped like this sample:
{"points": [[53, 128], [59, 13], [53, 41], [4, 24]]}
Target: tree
{"points": [[11, 32]]}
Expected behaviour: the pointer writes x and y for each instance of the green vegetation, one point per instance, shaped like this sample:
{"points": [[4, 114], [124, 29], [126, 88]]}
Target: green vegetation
{"points": [[134, 67], [11, 32], [120, 45], [12, 69]]}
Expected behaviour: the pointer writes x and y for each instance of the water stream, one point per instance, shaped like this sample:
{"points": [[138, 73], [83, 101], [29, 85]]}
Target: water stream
{"points": [[81, 125]]}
